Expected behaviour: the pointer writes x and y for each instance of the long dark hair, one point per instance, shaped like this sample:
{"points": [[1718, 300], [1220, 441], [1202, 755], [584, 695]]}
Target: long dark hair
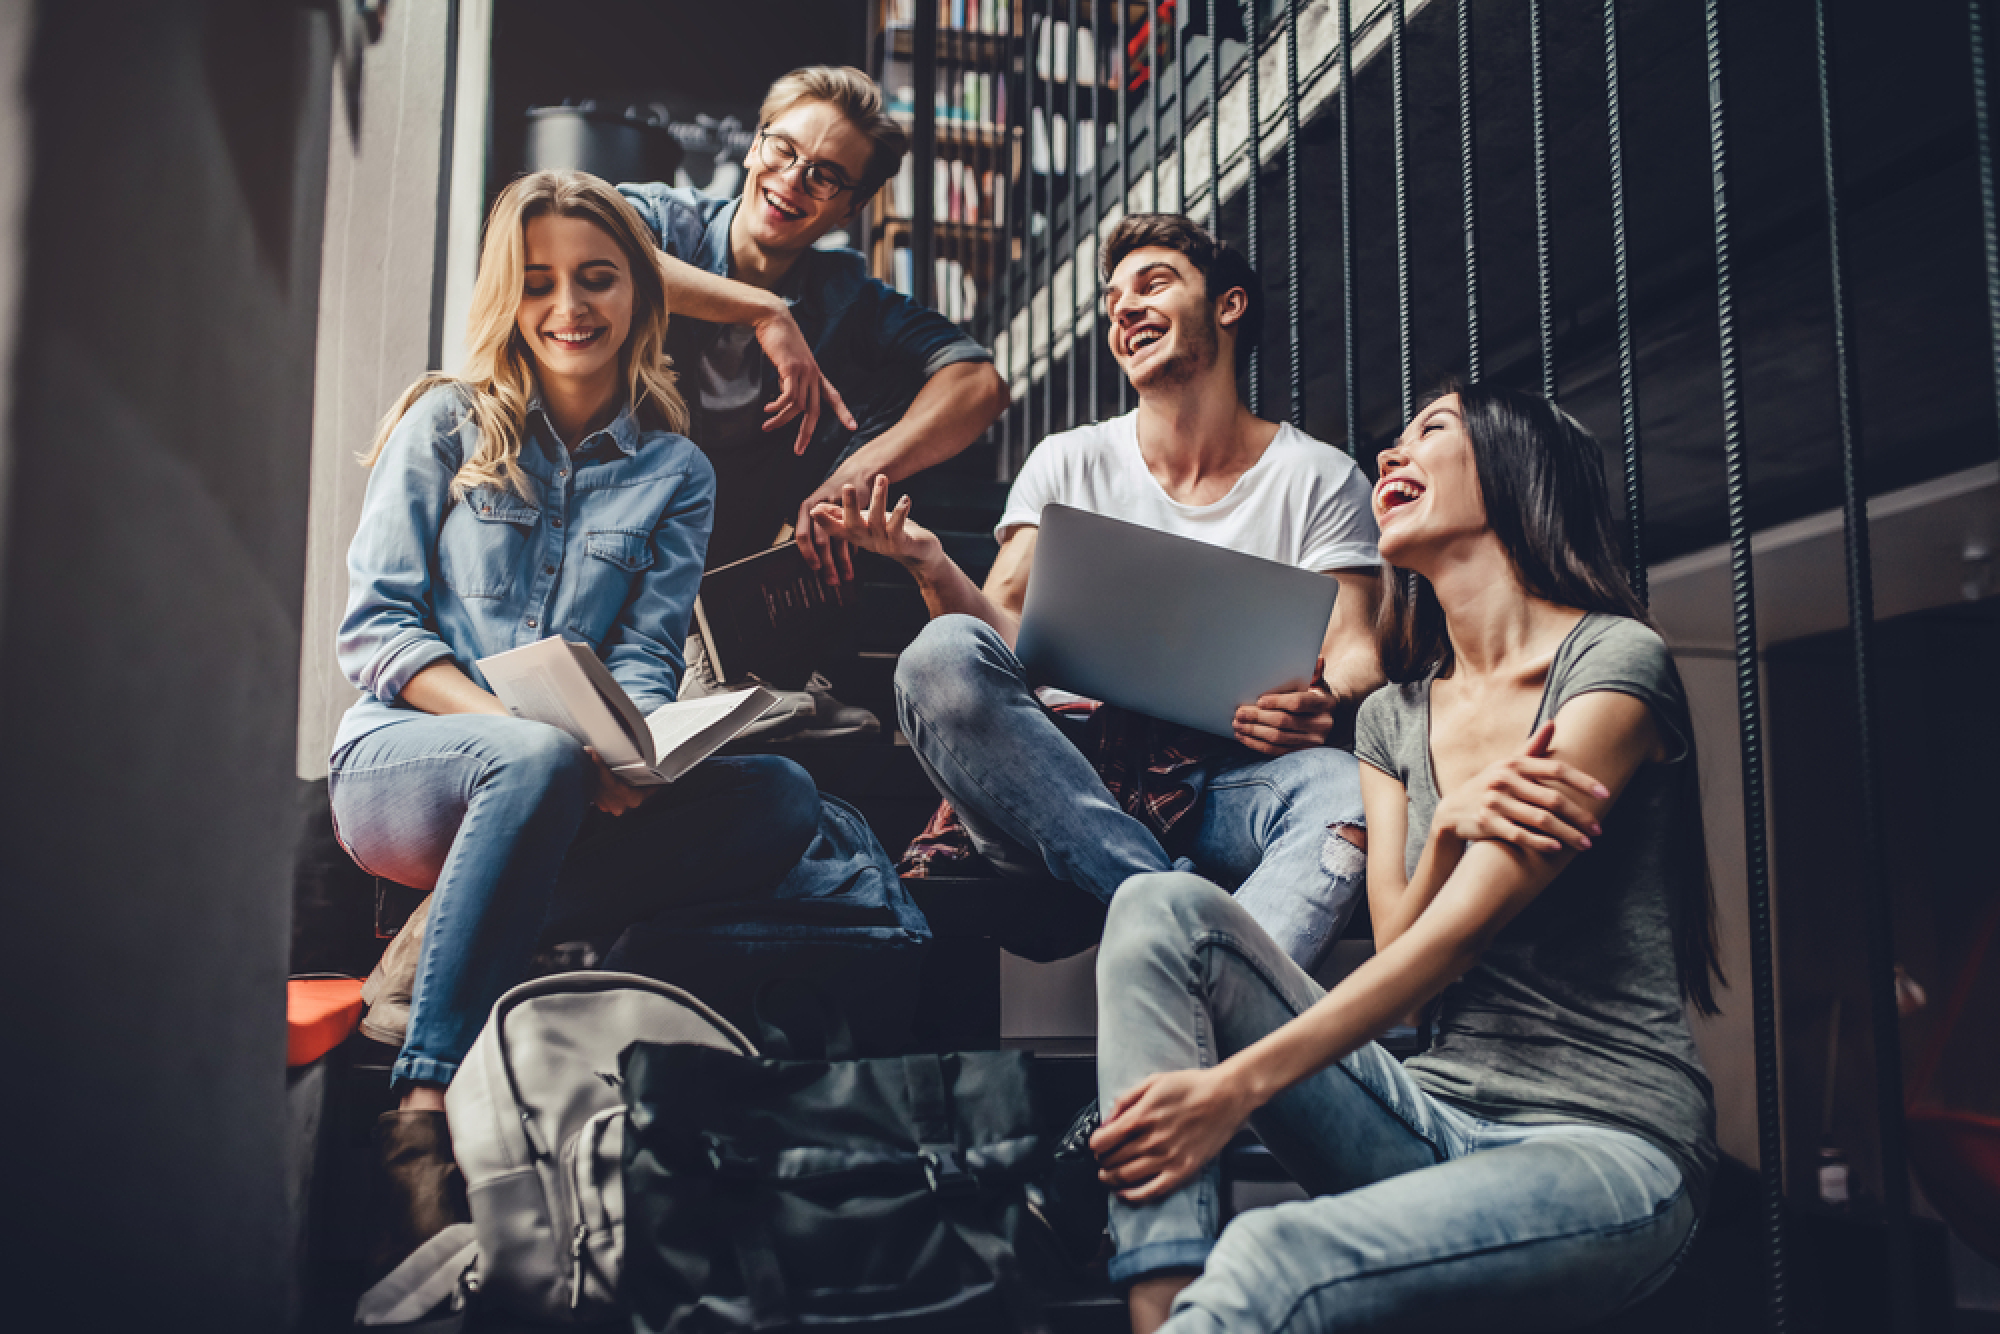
{"points": [[1541, 479]]}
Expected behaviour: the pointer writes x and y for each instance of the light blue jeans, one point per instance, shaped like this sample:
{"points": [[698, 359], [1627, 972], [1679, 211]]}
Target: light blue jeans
{"points": [[1032, 802], [492, 814], [1425, 1216]]}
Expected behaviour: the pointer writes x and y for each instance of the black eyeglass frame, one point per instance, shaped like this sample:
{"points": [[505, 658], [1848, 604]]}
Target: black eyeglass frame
{"points": [[806, 165]]}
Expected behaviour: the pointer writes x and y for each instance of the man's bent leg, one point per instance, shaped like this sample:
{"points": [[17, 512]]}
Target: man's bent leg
{"points": [[1276, 830], [1024, 793]]}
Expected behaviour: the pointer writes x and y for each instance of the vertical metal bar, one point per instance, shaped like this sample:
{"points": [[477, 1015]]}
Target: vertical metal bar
{"points": [[1214, 120], [1180, 107], [1253, 248], [1468, 195], [1405, 365], [1048, 283], [1763, 994], [1153, 97], [1020, 45], [1294, 276], [1544, 279], [1073, 245], [1349, 353], [1621, 281], [1086, 275], [923, 149], [1982, 115], [1880, 931], [1124, 166]]}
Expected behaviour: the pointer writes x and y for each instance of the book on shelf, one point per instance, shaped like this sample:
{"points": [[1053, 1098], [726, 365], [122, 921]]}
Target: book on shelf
{"points": [[564, 685], [769, 616]]}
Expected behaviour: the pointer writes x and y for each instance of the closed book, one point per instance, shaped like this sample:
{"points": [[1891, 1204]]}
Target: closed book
{"points": [[770, 616]]}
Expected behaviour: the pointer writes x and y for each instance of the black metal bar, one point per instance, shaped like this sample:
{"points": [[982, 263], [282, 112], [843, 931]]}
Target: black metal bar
{"points": [[1621, 281], [1086, 276], [1405, 364], [1763, 994], [1254, 156], [1214, 120], [1074, 244], [1350, 354], [1294, 276], [1468, 195], [1153, 96], [1879, 907], [1180, 109], [1982, 114], [1544, 280], [923, 151], [1048, 283], [1124, 163]]}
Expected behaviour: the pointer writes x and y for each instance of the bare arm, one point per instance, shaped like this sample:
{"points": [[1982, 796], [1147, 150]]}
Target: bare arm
{"points": [[1163, 1130], [1353, 667]]}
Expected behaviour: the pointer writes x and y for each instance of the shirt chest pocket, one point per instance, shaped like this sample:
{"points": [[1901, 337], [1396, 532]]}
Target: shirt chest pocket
{"points": [[613, 561], [485, 542]]}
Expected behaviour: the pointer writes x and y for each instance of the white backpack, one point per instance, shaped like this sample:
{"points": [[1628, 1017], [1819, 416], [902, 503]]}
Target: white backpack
{"points": [[538, 1128]]}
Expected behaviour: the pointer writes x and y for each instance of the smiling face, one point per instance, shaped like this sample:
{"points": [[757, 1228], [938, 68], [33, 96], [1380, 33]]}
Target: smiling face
{"points": [[576, 301], [778, 214], [1428, 492], [1165, 329]]}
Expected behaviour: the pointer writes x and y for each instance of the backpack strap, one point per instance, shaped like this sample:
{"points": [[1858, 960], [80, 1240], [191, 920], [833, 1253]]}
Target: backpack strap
{"points": [[430, 1276]]}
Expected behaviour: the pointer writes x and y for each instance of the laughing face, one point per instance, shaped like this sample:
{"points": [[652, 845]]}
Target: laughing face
{"points": [[779, 212], [1164, 327], [576, 301], [1428, 490]]}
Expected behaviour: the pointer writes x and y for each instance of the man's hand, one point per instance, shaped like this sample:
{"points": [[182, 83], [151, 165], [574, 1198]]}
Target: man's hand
{"points": [[1528, 800], [1289, 720], [1165, 1129], [614, 796], [801, 384], [878, 528]]}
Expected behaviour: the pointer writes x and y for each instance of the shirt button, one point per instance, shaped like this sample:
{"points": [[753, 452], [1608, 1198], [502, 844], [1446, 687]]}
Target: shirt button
{"points": [[558, 523], [561, 473], [548, 569], [531, 622]]}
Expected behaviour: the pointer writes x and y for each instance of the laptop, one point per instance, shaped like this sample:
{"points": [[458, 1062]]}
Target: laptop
{"points": [[1164, 625]]}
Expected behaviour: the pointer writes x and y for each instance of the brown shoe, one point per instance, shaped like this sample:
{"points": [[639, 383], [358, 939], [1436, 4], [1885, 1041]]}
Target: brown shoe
{"points": [[388, 990], [419, 1190]]}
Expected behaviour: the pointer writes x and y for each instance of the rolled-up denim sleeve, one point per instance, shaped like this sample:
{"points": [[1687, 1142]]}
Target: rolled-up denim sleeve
{"points": [[389, 632], [911, 335], [644, 649]]}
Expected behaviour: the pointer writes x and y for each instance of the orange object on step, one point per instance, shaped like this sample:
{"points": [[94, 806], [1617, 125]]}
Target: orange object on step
{"points": [[319, 1014]]}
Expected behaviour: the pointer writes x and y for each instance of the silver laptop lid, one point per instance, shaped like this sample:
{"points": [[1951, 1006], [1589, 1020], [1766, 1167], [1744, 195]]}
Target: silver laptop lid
{"points": [[1163, 625]]}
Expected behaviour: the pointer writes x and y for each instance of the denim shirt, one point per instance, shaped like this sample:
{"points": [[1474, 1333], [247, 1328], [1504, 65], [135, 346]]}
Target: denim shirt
{"points": [[876, 345], [609, 553]]}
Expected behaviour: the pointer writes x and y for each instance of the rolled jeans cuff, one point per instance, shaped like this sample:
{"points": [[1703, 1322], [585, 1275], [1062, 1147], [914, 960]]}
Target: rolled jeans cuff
{"points": [[1160, 1257], [421, 1070]]}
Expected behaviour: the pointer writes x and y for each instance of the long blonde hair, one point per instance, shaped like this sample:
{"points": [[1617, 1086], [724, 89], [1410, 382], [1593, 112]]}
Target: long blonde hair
{"points": [[499, 377]]}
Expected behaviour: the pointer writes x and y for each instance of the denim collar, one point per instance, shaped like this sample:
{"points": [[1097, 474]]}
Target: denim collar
{"points": [[622, 434]]}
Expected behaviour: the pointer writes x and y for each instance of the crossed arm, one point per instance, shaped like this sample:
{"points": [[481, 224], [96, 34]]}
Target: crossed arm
{"points": [[1162, 1131]]}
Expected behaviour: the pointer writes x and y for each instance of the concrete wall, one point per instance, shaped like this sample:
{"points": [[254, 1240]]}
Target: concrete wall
{"points": [[382, 300], [155, 536]]}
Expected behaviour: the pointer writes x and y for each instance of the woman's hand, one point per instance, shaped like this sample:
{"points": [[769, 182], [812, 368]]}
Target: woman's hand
{"points": [[878, 528], [1528, 800], [1167, 1128], [614, 796], [800, 381]]}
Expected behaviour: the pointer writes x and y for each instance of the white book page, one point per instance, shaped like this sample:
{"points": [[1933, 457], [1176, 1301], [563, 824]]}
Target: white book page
{"points": [[544, 683], [688, 732]]}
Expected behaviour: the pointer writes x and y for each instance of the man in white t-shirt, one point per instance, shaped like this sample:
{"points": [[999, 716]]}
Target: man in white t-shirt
{"points": [[1278, 816]]}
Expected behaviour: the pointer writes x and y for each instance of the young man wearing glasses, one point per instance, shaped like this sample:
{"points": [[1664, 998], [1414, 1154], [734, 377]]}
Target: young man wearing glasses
{"points": [[916, 390]]}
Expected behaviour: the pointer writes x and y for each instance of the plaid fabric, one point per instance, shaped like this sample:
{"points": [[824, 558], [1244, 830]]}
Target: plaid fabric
{"points": [[1149, 767]]}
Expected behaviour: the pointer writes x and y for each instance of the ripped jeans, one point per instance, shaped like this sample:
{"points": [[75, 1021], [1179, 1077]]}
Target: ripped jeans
{"points": [[1031, 801]]}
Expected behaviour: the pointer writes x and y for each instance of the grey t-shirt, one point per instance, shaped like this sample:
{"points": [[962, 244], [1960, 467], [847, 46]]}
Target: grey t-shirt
{"points": [[1574, 1012]]}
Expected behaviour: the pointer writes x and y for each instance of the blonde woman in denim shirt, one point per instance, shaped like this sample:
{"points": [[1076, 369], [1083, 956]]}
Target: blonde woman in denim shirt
{"points": [[546, 492]]}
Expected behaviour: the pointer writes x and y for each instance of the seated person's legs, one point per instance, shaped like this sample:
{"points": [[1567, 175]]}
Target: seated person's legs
{"points": [[1284, 834], [1441, 1211], [1027, 795]]}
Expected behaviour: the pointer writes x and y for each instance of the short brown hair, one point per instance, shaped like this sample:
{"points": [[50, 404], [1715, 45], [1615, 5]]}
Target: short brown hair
{"points": [[1220, 264], [855, 96]]}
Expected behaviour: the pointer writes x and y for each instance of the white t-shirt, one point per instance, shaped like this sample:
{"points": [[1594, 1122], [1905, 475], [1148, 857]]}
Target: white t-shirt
{"points": [[1304, 502]]}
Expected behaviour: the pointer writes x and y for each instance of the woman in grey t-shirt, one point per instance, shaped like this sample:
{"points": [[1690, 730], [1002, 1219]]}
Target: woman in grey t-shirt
{"points": [[1535, 863]]}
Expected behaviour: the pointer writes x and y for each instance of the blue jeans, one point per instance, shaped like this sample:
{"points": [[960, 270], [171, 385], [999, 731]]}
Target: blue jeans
{"points": [[1032, 802], [1425, 1215], [490, 813]]}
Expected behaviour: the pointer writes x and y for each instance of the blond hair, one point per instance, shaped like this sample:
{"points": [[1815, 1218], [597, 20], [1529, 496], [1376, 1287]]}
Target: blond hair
{"points": [[499, 377], [855, 96]]}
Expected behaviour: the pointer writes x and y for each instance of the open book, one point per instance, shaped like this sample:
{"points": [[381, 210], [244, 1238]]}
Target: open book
{"points": [[564, 685]]}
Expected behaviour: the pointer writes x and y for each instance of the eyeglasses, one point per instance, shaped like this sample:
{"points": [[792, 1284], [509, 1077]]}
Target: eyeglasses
{"points": [[822, 180]]}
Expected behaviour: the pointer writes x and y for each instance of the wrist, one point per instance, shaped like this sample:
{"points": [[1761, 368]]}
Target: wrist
{"points": [[926, 561]]}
